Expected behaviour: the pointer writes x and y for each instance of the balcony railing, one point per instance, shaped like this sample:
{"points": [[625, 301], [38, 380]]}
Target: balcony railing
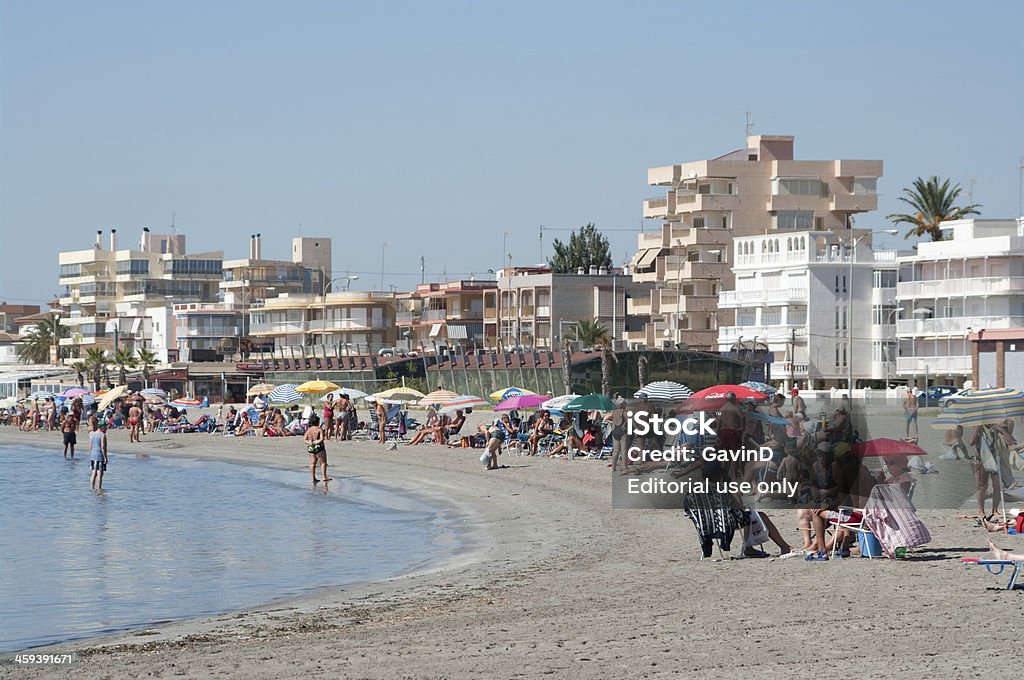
{"points": [[956, 325], [764, 332], [990, 285], [407, 317], [934, 365], [769, 296]]}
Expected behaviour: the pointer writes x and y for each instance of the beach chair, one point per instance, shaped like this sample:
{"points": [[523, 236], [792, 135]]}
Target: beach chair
{"points": [[1018, 566]]}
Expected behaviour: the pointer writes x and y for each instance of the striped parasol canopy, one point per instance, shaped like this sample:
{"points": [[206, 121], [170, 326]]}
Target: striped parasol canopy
{"points": [[523, 401], [558, 403], [154, 392], [188, 402], [88, 399], [260, 390], [464, 401], [509, 392], [284, 394], [41, 395], [665, 391], [982, 407], [438, 397]]}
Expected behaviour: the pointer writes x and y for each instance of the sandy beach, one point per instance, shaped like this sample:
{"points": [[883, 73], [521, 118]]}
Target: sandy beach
{"points": [[552, 582]]}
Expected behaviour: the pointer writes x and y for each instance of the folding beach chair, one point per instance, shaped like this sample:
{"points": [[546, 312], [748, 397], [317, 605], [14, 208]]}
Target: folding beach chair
{"points": [[1018, 566]]}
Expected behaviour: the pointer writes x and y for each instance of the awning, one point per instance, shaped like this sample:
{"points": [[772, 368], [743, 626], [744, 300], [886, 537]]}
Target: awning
{"points": [[645, 258], [435, 330], [457, 331]]}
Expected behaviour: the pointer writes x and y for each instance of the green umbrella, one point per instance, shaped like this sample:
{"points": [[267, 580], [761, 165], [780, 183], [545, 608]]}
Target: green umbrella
{"points": [[590, 402]]}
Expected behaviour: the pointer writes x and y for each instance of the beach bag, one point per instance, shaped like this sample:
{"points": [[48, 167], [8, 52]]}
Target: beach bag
{"points": [[758, 531], [1018, 525]]}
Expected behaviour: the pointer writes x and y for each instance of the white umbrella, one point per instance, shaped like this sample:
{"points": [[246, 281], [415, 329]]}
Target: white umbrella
{"points": [[665, 391], [352, 393], [558, 403], [284, 394]]}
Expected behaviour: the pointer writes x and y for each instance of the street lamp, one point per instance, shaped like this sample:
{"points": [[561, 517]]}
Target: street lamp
{"points": [[849, 309], [348, 279], [922, 311]]}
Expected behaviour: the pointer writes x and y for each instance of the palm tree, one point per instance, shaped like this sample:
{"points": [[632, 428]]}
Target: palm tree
{"points": [[146, 361], [95, 362], [35, 348], [933, 203], [79, 368], [123, 359], [593, 334]]}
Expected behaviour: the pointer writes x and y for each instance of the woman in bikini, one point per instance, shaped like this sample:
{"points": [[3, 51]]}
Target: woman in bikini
{"points": [[314, 441]]}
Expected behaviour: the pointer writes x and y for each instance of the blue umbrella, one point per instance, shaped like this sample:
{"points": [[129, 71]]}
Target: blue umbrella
{"points": [[774, 420], [760, 387], [284, 394]]}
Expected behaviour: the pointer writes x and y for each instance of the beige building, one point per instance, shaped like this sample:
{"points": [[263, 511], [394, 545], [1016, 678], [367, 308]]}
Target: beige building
{"points": [[533, 308], [124, 297], [337, 324], [255, 278], [756, 190], [447, 314]]}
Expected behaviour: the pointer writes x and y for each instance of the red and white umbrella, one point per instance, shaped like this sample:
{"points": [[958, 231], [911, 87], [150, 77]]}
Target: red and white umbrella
{"points": [[464, 401]]}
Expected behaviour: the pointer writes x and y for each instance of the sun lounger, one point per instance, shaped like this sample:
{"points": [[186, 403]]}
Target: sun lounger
{"points": [[990, 565]]}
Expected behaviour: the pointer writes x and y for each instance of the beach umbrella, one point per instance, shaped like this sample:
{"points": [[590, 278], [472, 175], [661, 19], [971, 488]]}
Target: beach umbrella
{"points": [[982, 407], [284, 394], [464, 401], [155, 392], [759, 387], [509, 392], [887, 448], [400, 394], [665, 391], [523, 401], [773, 420], [8, 402], [261, 389], [352, 393], [558, 403], [88, 399], [316, 387], [186, 402], [41, 395], [74, 392], [438, 397], [110, 395], [712, 398], [590, 402]]}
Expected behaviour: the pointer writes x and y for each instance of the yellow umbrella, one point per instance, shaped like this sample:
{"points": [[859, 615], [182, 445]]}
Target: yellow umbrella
{"points": [[400, 394], [317, 387], [111, 395], [509, 392], [260, 390]]}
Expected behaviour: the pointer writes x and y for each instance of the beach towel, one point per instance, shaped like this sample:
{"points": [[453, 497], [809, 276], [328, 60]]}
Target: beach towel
{"points": [[715, 515], [892, 518]]}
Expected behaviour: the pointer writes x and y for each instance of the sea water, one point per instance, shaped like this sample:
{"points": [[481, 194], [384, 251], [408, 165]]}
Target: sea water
{"points": [[173, 538]]}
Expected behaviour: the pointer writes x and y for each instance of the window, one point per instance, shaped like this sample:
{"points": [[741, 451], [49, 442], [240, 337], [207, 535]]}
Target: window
{"points": [[881, 278], [837, 319], [203, 267], [693, 256], [844, 356], [698, 222], [844, 283], [68, 270], [819, 224], [865, 186], [794, 219], [133, 267], [837, 354], [799, 186]]}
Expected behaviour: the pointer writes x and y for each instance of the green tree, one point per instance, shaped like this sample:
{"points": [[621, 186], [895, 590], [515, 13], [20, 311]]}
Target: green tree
{"points": [[593, 334], [123, 359], [146, 361], [35, 348], [95, 363], [587, 247], [933, 202]]}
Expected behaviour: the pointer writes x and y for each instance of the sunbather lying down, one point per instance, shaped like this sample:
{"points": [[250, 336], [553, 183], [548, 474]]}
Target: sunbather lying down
{"points": [[1001, 554]]}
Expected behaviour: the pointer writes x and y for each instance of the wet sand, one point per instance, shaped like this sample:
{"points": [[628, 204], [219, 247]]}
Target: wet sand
{"points": [[553, 582]]}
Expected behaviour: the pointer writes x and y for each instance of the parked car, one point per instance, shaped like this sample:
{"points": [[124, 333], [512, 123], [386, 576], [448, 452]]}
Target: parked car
{"points": [[950, 398], [933, 394]]}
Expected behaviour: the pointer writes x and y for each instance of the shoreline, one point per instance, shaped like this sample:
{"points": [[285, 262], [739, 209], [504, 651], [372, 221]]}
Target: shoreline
{"points": [[558, 583]]}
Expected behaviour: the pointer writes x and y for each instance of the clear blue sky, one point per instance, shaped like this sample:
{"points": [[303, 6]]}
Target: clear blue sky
{"points": [[438, 126]]}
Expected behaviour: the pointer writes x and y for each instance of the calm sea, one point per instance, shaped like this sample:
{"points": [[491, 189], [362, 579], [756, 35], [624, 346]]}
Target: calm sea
{"points": [[172, 538]]}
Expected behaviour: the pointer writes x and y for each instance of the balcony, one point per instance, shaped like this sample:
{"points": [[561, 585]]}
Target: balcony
{"points": [[766, 333], [981, 286], [213, 332], [843, 202], [543, 311], [656, 208], [281, 328], [955, 325], [952, 365], [638, 306], [678, 268], [407, 317], [732, 299], [782, 369], [435, 314], [490, 313]]}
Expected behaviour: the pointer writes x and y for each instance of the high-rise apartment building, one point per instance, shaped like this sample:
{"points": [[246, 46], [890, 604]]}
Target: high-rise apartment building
{"points": [[759, 189]]}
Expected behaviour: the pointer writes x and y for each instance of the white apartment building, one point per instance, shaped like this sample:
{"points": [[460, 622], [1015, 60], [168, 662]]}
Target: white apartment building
{"points": [[970, 282], [124, 297], [793, 293]]}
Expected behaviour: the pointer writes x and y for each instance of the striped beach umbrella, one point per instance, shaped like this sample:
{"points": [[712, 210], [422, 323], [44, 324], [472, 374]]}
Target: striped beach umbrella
{"points": [[982, 407], [760, 387], [260, 390], [88, 399], [155, 392], [523, 401], [509, 392], [438, 397], [558, 403], [464, 401], [284, 394], [665, 391], [41, 395]]}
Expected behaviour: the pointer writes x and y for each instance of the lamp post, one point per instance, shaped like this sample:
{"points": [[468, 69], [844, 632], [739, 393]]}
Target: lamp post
{"points": [[888, 357], [922, 311], [849, 310], [348, 279]]}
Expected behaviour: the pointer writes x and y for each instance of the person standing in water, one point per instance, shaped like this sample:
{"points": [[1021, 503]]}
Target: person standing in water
{"points": [[314, 440], [69, 427], [97, 454]]}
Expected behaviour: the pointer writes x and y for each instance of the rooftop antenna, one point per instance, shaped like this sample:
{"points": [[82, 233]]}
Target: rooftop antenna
{"points": [[423, 270], [541, 237], [970, 194], [750, 124]]}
